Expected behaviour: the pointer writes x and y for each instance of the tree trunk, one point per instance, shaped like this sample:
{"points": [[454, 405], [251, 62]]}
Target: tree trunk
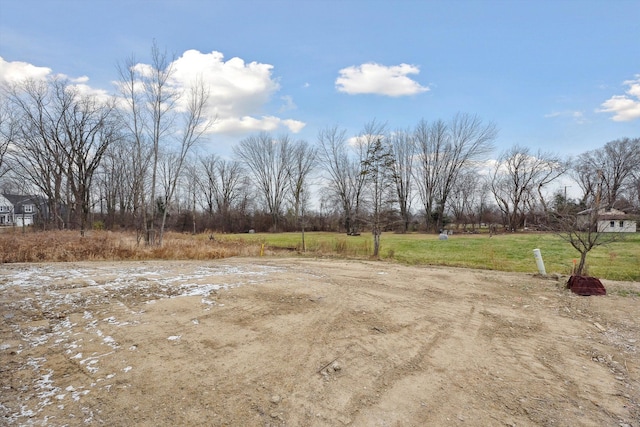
{"points": [[376, 243], [581, 265]]}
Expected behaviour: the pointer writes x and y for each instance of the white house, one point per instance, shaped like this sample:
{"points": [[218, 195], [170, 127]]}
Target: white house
{"points": [[609, 221], [6, 211], [20, 210]]}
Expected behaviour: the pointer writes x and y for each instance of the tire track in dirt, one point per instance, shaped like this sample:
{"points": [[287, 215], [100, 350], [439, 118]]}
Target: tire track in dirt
{"points": [[314, 343]]}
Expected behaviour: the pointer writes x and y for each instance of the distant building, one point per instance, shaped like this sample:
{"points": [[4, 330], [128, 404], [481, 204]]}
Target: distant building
{"points": [[609, 221], [6, 211], [21, 210]]}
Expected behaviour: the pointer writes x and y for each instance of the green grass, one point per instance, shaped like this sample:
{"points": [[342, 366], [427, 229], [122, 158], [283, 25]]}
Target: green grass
{"points": [[626, 293], [504, 252]]}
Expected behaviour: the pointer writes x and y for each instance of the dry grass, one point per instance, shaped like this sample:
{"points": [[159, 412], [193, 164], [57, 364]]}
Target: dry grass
{"points": [[53, 246], [618, 261]]}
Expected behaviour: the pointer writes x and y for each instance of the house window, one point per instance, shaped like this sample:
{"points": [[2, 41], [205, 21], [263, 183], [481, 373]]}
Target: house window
{"points": [[2, 208], [29, 208], [612, 224], [621, 224]]}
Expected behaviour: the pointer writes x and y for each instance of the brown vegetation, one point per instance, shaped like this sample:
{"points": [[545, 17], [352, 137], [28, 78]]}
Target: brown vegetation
{"points": [[55, 246]]}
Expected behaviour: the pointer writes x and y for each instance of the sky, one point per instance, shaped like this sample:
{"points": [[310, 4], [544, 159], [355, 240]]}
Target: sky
{"points": [[562, 76]]}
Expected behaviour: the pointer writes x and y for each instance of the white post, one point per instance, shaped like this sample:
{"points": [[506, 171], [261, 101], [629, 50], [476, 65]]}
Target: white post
{"points": [[538, 256]]}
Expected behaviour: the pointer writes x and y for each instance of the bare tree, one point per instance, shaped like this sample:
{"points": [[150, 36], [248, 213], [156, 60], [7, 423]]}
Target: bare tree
{"points": [[208, 183], [357, 177], [8, 130], [90, 128], [34, 156], [483, 207], [113, 183], [471, 141], [150, 101], [431, 140], [192, 190], [303, 160], [463, 198], [335, 164], [161, 98], [63, 135], [135, 118], [267, 161], [195, 125], [553, 167], [518, 176], [585, 177], [444, 150], [342, 166], [511, 182], [581, 230], [404, 150], [615, 163], [634, 189], [222, 184]]}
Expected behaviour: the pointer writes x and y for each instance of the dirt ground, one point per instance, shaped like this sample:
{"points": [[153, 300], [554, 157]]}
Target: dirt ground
{"points": [[302, 342]]}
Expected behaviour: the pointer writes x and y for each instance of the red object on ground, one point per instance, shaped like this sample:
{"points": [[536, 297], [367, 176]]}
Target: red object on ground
{"points": [[585, 285]]}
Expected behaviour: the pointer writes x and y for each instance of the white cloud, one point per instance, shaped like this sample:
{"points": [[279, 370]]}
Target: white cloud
{"points": [[238, 91], [144, 70], [355, 141], [85, 89], [79, 80], [231, 125], [577, 116], [294, 126], [625, 107], [287, 103], [16, 71], [362, 140], [379, 79], [234, 85]]}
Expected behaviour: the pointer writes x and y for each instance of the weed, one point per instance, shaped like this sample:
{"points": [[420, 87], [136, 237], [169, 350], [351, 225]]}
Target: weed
{"points": [[340, 246]]}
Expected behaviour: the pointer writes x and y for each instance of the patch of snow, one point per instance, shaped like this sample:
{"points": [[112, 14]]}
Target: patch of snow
{"points": [[77, 394], [108, 340], [57, 290]]}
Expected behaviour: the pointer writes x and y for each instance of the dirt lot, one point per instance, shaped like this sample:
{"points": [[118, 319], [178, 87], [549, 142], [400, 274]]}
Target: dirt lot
{"points": [[271, 342]]}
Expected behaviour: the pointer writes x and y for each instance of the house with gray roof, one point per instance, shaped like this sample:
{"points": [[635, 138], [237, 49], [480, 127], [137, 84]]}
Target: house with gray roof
{"points": [[21, 210]]}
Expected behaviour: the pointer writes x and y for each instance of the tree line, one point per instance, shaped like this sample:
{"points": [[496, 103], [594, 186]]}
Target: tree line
{"points": [[131, 161]]}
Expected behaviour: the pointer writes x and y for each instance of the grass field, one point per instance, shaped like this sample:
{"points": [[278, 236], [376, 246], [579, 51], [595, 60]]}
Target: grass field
{"points": [[505, 252]]}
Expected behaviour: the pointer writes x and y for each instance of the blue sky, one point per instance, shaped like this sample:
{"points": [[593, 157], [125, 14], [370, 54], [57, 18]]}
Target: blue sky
{"points": [[561, 76]]}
